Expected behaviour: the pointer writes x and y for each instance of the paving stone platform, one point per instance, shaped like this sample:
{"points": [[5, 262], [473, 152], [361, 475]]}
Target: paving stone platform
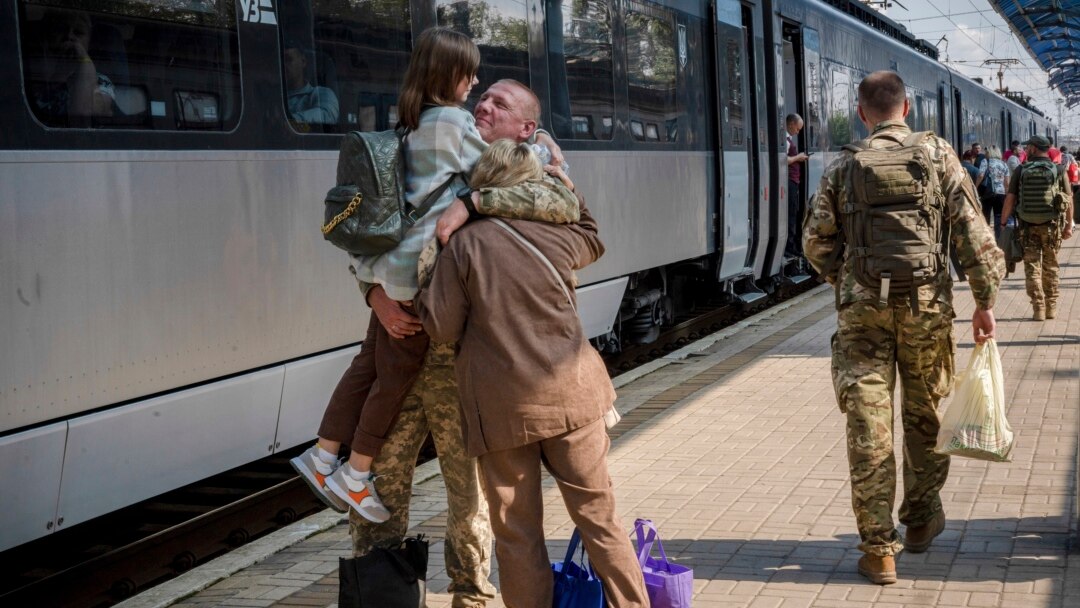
{"points": [[735, 448]]}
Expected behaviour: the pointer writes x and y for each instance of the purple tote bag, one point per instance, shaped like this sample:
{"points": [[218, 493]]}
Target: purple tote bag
{"points": [[669, 585]]}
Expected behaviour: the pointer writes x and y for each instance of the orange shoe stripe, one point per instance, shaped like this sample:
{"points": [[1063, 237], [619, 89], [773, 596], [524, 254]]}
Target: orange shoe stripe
{"points": [[359, 496], [320, 479]]}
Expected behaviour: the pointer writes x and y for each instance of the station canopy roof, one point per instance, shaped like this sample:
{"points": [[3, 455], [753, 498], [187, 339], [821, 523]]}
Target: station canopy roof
{"points": [[1050, 29]]}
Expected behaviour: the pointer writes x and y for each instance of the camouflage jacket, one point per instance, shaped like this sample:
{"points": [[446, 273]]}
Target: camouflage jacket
{"points": [[546, 200], [972, 238]]}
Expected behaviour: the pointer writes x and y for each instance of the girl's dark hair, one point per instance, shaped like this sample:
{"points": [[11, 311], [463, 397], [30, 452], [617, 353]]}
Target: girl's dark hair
{"points": [[441, 59]]}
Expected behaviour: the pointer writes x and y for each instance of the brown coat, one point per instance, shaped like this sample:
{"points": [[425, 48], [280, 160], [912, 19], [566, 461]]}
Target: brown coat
{"points": [[525, 370]]}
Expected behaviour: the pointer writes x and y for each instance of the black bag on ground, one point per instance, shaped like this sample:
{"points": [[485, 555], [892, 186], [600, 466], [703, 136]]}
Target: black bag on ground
{"points": [[385, 577]]}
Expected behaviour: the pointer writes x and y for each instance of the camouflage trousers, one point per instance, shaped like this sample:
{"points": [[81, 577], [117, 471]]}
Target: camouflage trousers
{"points": [[873, 343], [1041, 244], [433, 405]]}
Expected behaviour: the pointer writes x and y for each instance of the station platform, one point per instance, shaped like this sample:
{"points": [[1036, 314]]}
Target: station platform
{"points": [[734, 446]]}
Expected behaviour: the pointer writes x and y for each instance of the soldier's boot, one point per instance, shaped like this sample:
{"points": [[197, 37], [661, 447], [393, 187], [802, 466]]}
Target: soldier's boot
{"points": [[880, 569], [1051, 311], [1039, 315], [918, 538]]}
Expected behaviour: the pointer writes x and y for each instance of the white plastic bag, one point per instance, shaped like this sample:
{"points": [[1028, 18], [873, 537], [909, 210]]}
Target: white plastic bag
{"points": [[974, 424]]}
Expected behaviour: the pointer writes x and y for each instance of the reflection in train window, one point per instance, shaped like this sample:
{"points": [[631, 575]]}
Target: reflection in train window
{"points": [[651, 67], [500, 29], [840, 103], [637, 129], [581, 66], [734, 117], [342, 63], [136, 64]]}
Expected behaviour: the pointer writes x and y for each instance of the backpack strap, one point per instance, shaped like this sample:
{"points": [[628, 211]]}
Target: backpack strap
{"points": [[858, 146], [916, 138]]}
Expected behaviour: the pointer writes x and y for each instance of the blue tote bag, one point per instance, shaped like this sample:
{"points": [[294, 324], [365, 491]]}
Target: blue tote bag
{"points": [[576, 585]]}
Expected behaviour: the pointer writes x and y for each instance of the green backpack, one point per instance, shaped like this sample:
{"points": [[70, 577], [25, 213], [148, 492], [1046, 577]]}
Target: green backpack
{"points": [[1041, 199], [894, 219]]}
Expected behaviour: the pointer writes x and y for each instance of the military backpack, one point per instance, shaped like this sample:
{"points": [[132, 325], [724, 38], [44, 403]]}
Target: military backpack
{"points": [[1041, 198], [366, 213], [894, 220]]}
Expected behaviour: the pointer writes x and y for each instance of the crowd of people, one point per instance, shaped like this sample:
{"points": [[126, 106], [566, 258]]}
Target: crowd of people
{"points": [[447, 302]]}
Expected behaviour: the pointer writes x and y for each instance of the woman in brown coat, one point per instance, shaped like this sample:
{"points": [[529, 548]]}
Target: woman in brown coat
{"points": [[533, 391]]}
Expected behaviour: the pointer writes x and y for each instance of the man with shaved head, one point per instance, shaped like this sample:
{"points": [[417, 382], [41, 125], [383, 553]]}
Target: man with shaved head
{"points": [[879, 230]]}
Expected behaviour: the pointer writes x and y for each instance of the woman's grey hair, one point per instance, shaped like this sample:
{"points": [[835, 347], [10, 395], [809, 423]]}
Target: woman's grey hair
{"points": [[993, 151]]}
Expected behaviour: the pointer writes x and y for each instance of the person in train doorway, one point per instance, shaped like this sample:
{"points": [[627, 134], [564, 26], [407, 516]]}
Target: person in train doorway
{"points": [[895, 312], [795, 160], [1042, 197], [487, 280]]}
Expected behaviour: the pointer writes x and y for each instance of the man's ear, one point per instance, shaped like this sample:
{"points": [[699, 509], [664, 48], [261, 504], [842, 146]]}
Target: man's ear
{"points": [[907, 107], [527, 129]]}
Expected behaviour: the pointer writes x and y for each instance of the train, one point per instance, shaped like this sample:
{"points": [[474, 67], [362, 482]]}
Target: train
{"points": [[172, 310]]}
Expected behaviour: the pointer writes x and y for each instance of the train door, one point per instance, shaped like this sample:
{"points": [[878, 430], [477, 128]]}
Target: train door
{"points": [[958, 120], [945, 111], [1004, 136], [739, 184], [758, 141], [1008, 130]]}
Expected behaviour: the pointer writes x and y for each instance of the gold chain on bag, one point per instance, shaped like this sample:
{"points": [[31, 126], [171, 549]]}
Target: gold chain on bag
{"points": [[341, 217]]}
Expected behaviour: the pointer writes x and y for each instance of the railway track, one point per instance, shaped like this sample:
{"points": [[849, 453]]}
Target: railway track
{"points": [[104, 561]]}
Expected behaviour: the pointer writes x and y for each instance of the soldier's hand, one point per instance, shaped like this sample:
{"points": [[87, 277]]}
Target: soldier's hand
{"points": [[1067, 232], [453, 218], [983, 325]]}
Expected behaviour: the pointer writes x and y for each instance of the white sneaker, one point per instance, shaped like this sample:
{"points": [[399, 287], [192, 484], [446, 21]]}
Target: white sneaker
{"points": [[364, 500], [314, 471]]}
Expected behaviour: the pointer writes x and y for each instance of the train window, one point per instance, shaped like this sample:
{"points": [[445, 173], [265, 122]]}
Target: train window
{"points": [[734, 110], [581, 66], [840, 105], [651, 69], [342, 63], [132, 64], [929, 109], [500, 28]]}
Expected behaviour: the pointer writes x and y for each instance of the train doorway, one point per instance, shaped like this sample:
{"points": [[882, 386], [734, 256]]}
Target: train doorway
{"points": [[794, 103], [736, 111], [757, 200]]}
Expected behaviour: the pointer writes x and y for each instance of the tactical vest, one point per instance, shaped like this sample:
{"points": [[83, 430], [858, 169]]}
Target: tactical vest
{"points": [[1040, 199], [894, 219]]}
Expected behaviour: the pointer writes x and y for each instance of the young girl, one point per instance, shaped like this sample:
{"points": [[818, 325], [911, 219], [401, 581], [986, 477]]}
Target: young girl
{"points": [[442, 146]]}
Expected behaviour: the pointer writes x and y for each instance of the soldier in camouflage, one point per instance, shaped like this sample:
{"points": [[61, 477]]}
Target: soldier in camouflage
{"points": [[510, 110], [878, 340], [432, 405], [1041, 240]]}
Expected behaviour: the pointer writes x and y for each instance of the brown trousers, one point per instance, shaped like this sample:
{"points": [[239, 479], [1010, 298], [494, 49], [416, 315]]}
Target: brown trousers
{"points": [[578, 462], [369, 395]]}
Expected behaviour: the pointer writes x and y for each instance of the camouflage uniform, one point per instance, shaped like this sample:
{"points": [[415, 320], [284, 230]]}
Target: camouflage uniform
{"points": [[875, 340], [433, 405], [1041, 245]]}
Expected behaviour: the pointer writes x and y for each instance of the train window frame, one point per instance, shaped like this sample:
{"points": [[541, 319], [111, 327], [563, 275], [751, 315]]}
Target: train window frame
{"points": [[505, 36], [566, 100], [340, 78], [160, 111], [653, 16]]}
